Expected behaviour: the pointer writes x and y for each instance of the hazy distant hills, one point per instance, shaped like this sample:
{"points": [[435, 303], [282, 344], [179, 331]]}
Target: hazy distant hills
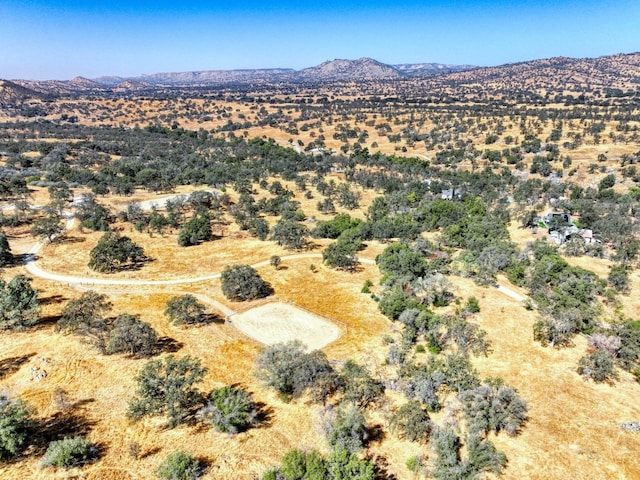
{"points": [[11, 92], [335, 70], [621, 72], [203, 78]]}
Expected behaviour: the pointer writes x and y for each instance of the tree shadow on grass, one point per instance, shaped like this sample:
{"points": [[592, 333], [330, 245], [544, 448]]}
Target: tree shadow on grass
{"points": [[167, 345], [51, 300], [45, 322], [11, 365], [61, 425], [380, 468], [69, 239], [375, 434], [204, 320], [264, 416]]}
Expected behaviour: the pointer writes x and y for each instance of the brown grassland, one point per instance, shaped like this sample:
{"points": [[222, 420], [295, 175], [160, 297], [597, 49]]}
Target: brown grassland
{"points": [[573, 427]]}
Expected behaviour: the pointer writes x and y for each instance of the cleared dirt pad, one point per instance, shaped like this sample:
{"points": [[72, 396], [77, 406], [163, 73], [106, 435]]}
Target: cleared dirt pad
{"points": [[280, 322]]}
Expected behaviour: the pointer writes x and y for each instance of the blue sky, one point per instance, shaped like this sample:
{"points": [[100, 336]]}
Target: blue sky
{"points": [[62, 39]]}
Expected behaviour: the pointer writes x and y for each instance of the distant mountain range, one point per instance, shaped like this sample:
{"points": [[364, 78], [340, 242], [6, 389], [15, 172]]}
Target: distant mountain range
{"points": [[615, 71], [335, 70]]}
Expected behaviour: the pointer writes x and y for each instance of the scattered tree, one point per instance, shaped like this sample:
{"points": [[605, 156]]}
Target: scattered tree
{"points": [[184, 309], [346, 428], [128, 334], [289, 369], [290, 234], [230, 410], [242, 282], [494, 407], [80, 314], [15, 424], [19, 306], [275, 262], [115, 252], [48, 227], [196, 230], [167, 387]]}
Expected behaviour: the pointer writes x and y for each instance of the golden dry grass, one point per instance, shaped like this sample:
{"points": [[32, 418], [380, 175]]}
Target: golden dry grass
{"points": [[573, 422], [573, 431]]}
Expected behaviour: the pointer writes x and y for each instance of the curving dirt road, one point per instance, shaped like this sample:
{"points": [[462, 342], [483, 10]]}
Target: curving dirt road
{"points": [[31, 265]]}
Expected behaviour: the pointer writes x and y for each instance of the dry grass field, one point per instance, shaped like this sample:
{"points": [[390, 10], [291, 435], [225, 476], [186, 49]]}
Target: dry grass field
{"points": [[573, 428]]}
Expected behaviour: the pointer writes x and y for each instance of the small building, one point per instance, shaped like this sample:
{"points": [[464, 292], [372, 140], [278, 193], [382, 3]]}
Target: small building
{"points": [[451, 193]]}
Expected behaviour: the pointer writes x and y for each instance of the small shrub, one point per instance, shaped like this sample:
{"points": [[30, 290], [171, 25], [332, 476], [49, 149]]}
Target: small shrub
{"points": [[230, 410], [412, 422], [15, 422], [346, 428], [134, 450], [68, 452], [472, 306], [366, 288], [179, 466], [599, 366]]}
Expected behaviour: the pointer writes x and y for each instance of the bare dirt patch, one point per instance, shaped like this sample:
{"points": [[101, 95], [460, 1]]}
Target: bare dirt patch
{"points": [[281, 322]]}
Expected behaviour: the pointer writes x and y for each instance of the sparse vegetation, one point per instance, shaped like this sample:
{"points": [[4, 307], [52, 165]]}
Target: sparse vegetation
{"points": [[69, 452], [179, 466], [454, 184]]}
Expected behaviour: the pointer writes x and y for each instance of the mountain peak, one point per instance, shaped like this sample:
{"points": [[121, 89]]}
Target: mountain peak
{"points": [[340, 69]]}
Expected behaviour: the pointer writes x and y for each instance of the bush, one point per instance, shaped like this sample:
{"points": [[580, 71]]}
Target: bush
{"points": [[358, 384], [472, 306], [19, 306], [289, 369], [15, 423], [179, 466], [412, 422], [242, 282], [6, 256], [131, 335], [341, 465], [166, 387], [599, 366], [184, 309], [494, 407], [230, 410], [68, 452], [482, 456]]}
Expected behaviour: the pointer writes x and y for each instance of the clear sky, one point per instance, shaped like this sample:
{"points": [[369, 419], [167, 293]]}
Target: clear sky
{"points": [[60, 39]]}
